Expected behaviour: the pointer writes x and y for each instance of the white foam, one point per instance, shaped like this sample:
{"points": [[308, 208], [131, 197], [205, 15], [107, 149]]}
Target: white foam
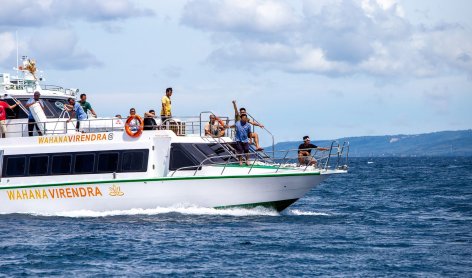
{"points": [[187, 210], [306, 213]]}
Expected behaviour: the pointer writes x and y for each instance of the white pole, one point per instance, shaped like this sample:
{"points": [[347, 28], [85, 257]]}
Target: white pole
{"points": [[17, 62]]}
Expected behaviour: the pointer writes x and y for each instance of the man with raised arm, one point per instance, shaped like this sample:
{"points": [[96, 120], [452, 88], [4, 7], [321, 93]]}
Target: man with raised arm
{"points": [[242, 138], [252, 135]]}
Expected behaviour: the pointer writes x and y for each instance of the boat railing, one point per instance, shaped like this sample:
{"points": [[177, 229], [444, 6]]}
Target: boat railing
{"points": [[333, 158], [265, 130], [62, 126]]}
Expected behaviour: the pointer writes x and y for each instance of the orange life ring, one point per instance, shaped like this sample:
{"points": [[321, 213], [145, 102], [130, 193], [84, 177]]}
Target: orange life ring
{"points": [[130, 128]]}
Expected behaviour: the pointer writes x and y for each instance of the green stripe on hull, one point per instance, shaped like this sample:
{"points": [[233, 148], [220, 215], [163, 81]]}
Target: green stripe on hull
{"points": [[166, 179], [278, 205]]}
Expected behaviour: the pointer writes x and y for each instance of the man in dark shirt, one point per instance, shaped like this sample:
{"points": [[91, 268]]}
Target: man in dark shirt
{"points": [[304, 152], [149, 121]]}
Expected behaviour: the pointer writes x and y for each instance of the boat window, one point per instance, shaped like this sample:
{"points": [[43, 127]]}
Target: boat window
{"points": [[61, 164], [134, 161], [84, 163], [38, 165], [190, 154], [52, 108], [180, 157], [17, 112], [15, 166], [214, 150], [81, 162], [108, 162]]}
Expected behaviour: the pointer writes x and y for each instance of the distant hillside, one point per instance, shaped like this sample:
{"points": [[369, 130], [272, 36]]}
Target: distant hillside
{"points": [[444, 143]]}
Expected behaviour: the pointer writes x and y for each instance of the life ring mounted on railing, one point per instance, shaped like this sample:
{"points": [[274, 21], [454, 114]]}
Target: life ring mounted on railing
{"points": [[134, 126]]}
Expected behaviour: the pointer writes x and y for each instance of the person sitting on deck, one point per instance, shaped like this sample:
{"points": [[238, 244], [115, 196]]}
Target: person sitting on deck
{"points": [[304, 152], [215, 127], [134, 124], [149, 121], [252, 135]]}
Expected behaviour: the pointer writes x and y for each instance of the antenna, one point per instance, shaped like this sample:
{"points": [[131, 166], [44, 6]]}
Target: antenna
{"points": [[17, 62]]}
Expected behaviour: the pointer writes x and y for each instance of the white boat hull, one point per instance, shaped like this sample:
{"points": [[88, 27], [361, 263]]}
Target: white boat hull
{"points": [[274, 190]]}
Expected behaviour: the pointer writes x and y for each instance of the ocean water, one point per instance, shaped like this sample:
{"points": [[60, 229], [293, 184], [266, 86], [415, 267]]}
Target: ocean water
{"points": [[389, 217]]}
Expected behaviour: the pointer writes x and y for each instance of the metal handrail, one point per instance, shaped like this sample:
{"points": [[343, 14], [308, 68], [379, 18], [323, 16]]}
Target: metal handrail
{"points": [[326, 166], [266, 130], [56, 121]]}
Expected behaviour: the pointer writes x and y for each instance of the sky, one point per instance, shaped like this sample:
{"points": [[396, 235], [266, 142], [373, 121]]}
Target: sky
{"points": [[324, 68]]}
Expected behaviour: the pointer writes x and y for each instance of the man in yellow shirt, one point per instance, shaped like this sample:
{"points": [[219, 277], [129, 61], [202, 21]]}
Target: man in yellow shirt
{"points": [[166, 105]]}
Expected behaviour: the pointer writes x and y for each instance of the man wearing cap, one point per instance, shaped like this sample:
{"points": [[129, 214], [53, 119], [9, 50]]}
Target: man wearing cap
{"points": [[31, 122], [3, 117], [304, 152]]}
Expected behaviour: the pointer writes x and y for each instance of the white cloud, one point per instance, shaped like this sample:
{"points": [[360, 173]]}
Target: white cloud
{"points": [[54, 41], [35, 13], [330, 37], [64, 55], [239, 16]]}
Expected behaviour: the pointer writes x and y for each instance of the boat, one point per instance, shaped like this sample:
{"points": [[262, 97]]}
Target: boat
{"points": [[112, 164]]}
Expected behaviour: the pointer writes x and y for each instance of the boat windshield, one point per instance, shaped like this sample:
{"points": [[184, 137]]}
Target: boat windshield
{"points": [[53, 108], [192, 154]]}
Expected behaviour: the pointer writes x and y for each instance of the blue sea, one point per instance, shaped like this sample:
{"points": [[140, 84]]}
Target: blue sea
{"points": [[389, 217]]}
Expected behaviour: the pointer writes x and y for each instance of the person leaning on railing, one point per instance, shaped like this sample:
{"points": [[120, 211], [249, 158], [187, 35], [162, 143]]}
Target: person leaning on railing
{"points": [[304, 152], [3, 116], [79, 112]]}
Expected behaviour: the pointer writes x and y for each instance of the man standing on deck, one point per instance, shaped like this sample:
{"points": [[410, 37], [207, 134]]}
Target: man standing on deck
{"points": [[166, 105], [86, 105], [3, 117], [243, 128], [304, 152], [31, 122]]}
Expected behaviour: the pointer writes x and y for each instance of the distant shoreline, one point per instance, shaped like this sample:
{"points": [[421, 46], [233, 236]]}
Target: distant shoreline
{"points": [[435, 144]]}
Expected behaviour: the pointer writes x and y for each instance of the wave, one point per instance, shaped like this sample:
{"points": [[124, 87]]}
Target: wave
{"points": [[305, 213], [186, 210]]}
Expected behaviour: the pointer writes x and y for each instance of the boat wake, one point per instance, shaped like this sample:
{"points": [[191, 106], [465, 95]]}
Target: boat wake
{"points": [[305, 213], [184, 210]]}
